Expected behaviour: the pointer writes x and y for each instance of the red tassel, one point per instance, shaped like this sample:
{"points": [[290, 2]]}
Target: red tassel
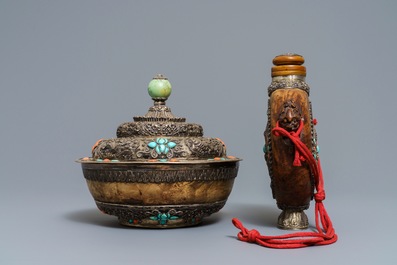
{"points": [[297, 159]]}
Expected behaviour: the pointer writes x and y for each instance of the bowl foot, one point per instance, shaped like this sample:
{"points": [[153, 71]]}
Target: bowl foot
{"points": [[160, 216], [293, 220]]}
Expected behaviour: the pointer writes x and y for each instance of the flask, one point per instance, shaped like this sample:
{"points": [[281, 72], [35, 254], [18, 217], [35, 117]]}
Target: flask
{"points": [[289, 108], [291, 154]]}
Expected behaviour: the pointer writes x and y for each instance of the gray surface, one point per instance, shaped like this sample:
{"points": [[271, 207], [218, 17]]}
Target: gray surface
{"points": [[71, 71]]}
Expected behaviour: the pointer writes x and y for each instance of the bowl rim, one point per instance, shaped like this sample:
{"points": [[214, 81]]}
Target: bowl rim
{"points": [[161, 161]]}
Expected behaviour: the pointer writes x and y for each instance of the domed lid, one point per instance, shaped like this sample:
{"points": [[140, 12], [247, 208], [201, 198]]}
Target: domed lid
{"points": [[159, 120], [159, 136]]}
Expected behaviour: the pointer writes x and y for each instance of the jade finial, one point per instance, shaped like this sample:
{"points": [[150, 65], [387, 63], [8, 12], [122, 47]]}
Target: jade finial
{"points": [[159, 88]]}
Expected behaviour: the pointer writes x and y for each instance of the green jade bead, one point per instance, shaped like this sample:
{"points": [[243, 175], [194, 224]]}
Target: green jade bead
{"points": [[159, 88]]}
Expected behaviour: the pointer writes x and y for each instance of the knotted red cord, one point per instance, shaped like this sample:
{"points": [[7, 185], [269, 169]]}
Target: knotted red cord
{"points": [[296, 135], [325, 234]]}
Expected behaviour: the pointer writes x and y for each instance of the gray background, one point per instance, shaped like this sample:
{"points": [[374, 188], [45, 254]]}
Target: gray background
{"points": [[72, 71]]}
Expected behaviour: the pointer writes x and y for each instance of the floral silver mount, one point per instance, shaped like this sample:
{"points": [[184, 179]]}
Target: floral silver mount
{"points": [[160, 171]]}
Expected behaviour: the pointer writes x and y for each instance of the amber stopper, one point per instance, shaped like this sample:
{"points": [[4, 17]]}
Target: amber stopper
{"points": [[288, 64]]}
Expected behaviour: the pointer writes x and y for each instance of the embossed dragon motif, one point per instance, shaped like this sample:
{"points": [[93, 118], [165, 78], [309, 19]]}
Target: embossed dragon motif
{"points": [[116, 149], [205, 147], [131, 148], [130, 129]]}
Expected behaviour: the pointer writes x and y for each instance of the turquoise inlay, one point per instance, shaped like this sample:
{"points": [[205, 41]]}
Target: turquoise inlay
{"points": [[114, 160], [265, 148], [318, 149], [152, 144], [161, 146], [158, 151], [171, 145], [99, 160], [163, 160], [163, 218]]}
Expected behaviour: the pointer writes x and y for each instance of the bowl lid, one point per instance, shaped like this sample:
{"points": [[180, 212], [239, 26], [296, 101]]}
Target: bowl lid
{"points": [[159, 136], [159, 120]]}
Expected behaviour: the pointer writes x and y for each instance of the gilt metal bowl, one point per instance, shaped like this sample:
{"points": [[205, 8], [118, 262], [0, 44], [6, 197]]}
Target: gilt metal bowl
{"points": [[160, 172]]}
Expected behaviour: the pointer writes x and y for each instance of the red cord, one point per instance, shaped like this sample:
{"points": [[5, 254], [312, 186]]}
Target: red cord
{"points": [[325, 234]]}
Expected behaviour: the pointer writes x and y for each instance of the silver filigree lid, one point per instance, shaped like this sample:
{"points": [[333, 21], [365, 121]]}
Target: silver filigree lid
{"points": [[159, 136]]}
